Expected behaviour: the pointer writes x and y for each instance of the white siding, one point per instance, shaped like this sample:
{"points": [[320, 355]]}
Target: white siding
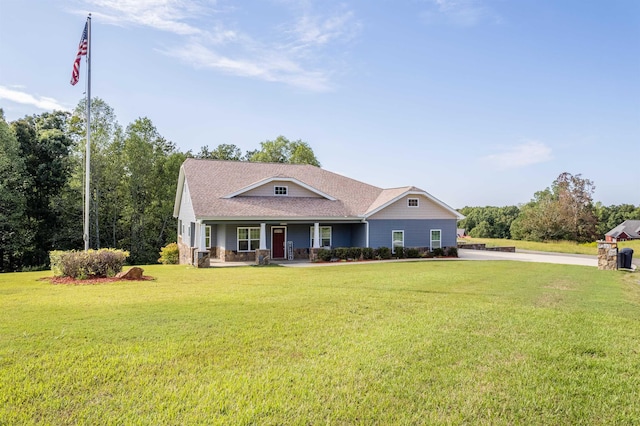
{"points": [[186, 214], [294, 190], [426, 209]]}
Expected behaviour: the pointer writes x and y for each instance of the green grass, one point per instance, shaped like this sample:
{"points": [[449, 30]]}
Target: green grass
{"points": [[551, 246], [397, 343]]}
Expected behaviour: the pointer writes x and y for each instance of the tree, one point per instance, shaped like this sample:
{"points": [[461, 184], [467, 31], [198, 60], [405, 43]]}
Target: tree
{"points": [[282, 150], [106, 168], [151, 166], [575, 196], [15, 236], [494, 222], [45, 148], [221, 152], [563, 211]]}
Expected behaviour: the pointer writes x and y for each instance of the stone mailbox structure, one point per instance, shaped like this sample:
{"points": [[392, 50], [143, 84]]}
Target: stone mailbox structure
{"points": [[607, 255]]}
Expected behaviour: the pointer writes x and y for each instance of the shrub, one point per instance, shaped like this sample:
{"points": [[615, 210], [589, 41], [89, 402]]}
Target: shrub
{"points": [[341, 252], [325, 255], [412, 253], [452, 251], [169, 254], [90, 264], [383, 253], [367, 253], [355, 253], [438, 252], [399, 253]]}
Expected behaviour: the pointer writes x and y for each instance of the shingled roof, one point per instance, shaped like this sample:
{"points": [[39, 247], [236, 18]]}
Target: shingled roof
{"points": [[216, 189], [629, 227]]}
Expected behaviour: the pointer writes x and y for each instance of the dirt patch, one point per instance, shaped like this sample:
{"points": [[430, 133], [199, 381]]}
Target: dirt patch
{"points": [[89, 281]]}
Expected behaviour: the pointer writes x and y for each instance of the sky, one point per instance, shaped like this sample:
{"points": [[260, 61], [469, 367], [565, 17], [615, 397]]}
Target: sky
{"points": [[477, 102]]}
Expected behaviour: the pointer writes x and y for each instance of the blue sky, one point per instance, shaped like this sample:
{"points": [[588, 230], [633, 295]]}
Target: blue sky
{"points": [[478, 102]]}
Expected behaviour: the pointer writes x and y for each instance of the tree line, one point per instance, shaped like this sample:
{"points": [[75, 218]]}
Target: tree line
{"points": [[134, 171], [563, 211]]}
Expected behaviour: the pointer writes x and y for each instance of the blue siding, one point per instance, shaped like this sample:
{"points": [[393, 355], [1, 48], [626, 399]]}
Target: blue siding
{"points": [[416, 232], [342, 235], [359, 235]]}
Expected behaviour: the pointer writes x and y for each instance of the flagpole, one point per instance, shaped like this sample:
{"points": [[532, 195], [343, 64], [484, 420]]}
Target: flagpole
{"points": [[88, 148]]}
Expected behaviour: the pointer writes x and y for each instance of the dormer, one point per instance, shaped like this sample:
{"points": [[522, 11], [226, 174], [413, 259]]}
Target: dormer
{"points": [[280, 186]]}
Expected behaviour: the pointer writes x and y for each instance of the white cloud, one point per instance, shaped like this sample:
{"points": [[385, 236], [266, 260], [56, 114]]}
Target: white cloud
{"points": [[268, 67], [464, 13], [525, 154], [292, 54], [21, 97]]}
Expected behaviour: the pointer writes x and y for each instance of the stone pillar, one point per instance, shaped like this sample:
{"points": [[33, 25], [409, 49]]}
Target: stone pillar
{"points": [[204, 260], [263, 257], [607, 255], [313, 254]]}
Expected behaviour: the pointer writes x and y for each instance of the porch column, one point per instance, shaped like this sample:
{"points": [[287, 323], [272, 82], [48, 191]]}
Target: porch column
{"points": [[316, 235], [200, 235], [263, 236]]}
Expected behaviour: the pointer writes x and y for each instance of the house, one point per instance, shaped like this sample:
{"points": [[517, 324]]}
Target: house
{"points": [[627, 230], [240, 211]]}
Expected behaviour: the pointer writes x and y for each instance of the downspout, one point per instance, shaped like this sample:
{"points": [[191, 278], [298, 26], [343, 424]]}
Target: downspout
{"points": [[366, 235]]}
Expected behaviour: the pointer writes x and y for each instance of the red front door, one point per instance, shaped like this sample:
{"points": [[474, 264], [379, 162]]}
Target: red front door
{"points": [[278, 236]]}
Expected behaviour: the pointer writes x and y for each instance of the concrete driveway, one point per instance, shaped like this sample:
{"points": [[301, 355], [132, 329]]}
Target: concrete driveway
{"points": [[530, 256]]}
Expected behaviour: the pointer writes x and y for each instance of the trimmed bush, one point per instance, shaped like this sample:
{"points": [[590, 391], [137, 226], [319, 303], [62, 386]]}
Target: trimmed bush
{"points": [[90, 264], [412, 253], [367, 253], [399, 253], [452, 251], [438, 252], [383, 253], [169, 254], [355, 253], [324, 255], [341, 253]]}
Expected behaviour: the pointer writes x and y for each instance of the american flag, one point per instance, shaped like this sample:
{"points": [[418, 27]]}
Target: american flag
{"points": [[82, 50]]}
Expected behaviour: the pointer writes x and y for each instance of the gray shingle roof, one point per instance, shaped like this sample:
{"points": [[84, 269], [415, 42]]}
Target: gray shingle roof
{"points": [[210, 181], [629, 227]]}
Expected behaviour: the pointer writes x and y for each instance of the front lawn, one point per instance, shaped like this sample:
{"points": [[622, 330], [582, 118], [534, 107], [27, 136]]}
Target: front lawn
{"points": [[396, 343]]}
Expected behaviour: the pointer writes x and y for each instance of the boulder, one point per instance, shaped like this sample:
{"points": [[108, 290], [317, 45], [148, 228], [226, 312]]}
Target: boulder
{"points": [[134, 273]]}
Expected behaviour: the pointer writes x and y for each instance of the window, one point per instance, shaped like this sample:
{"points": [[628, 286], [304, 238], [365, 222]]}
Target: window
{"points": [[325, 236], [207, 236], [397, 240], [180, 228], [248, 239], [436, 239], [280, 190], [412, 202]]}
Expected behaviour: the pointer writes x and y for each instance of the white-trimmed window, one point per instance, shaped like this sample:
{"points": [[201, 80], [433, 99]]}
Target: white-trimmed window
{"points": [[180, 227], [248, 239], [436, 238], [280, 190], [207, 237], [413, 202], [325, 236], [397, 240]]}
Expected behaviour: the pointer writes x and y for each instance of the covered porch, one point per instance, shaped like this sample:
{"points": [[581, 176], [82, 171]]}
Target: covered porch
{"points": [[258, 241]]}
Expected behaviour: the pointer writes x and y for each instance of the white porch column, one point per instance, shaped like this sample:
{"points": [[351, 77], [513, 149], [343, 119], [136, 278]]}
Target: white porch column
{"points": [[263, 236], [200, 234], [316, 235]]}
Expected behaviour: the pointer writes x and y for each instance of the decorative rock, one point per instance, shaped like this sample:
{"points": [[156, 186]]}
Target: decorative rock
{"points": [[134, 273]]}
